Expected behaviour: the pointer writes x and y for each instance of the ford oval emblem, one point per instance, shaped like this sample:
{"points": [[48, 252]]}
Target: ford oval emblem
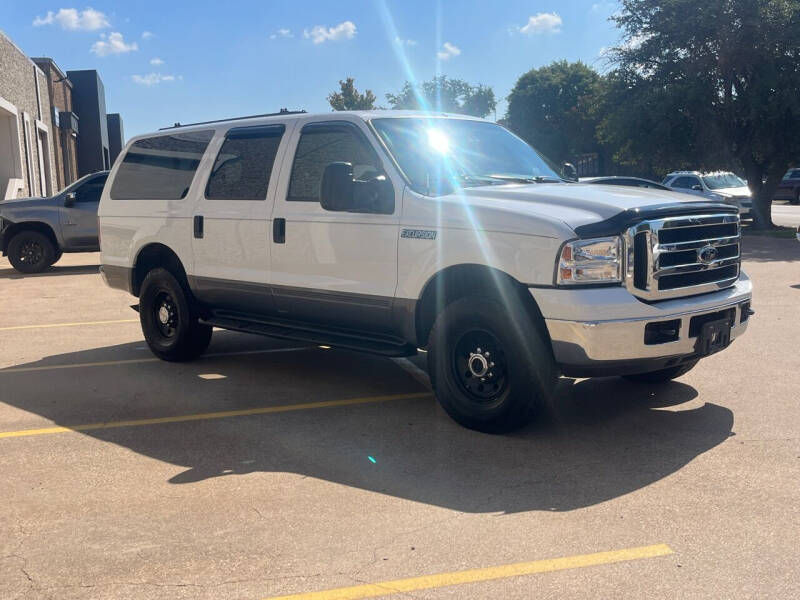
{"points": [[707, 254]]}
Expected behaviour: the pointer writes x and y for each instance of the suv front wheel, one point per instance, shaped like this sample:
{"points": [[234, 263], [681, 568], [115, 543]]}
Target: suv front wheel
{"points": [[489, 364], [170, 327], [31, 252]]}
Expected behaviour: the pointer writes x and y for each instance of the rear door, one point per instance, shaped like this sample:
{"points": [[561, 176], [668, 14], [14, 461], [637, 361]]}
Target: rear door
{"points": [[79, 219], [231, 222], [329, 267]]}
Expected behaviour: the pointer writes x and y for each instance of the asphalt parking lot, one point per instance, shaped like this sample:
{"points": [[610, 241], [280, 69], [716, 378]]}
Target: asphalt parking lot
{"points": [[268, 469]]}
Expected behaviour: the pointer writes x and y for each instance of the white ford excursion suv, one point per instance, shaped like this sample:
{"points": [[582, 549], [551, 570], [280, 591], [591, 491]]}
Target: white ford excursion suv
{"points": [[390, 231]]}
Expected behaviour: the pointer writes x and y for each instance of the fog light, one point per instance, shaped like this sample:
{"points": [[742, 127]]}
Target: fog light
{"points": [[662, 332]]}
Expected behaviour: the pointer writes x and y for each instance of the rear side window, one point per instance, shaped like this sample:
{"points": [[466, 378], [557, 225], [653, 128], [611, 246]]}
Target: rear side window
{"points": [[244, 163], [322, 144], [160, 168]]}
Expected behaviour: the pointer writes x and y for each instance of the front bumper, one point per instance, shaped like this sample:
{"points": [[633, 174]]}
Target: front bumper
{"points": [[617, 346]]}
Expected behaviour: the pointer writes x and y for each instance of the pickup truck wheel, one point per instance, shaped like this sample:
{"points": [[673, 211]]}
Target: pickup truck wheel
{"points": [[662, 375], [170, 327], [490, 372], [31, 252], [796, 199]]}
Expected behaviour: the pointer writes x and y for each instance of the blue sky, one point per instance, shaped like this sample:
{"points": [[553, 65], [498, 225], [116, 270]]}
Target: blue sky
{"points": [[165, 61]]}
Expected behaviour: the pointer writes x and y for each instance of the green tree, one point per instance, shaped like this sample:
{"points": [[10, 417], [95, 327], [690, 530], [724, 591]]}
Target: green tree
{"points": [[447, 95], [726, 70], [349, 98], [552, 108]]}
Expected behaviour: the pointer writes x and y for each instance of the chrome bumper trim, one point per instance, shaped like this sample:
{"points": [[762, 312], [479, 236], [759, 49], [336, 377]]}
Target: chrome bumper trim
{"points": [[580, 343]]}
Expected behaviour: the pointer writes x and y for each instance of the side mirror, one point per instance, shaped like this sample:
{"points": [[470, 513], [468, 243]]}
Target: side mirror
{"points": [[569, 172], [697, 188], [69, 199], [336, 189], [340, 191]]}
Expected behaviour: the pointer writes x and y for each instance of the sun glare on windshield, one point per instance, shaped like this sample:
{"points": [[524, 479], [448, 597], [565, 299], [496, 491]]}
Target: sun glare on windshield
{"points": [[438, 141]]}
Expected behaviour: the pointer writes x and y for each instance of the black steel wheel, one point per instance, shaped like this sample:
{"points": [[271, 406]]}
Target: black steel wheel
{"points": [[169, 324], [479, 366], [490, 363], [31, 252]]}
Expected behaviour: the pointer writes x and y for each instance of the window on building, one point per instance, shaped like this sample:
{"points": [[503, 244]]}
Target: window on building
{"points": [[244, 164], [322, 144], [160, 168]]}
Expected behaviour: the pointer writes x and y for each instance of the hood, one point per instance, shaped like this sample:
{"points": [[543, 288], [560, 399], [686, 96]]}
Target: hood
{"points": [[24, 202], [577, 205], [734, 192], [557, 210]]}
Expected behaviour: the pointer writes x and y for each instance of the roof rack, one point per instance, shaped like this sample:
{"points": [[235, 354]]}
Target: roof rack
{"points": [[283, 111]]}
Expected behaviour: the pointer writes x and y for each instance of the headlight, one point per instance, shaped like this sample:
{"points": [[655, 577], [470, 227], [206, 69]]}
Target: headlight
{"points": [[590, 261]]}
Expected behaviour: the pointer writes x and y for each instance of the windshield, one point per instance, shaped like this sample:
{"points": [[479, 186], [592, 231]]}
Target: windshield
{"points": [[437, 154], [723, 180]]}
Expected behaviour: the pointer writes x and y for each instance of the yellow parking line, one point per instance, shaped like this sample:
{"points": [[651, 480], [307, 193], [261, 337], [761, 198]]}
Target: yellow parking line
{"points": [[427, 582], [213, 415], [48, 325], [132, 361]]}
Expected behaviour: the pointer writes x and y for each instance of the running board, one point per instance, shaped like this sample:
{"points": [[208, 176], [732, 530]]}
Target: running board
{"points": [[317, 335]]}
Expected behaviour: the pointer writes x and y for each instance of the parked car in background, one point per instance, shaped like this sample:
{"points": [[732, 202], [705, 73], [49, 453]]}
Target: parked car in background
{"points": [[627, 181], [789, 187], [721, 186], [35, 232]]}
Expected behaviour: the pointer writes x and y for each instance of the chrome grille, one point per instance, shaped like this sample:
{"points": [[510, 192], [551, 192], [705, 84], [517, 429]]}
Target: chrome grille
{"points": [[682, 256]]}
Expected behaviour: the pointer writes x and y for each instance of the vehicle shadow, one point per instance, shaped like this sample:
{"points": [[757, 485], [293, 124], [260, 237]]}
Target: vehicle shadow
{"points": [[51, 272], [602, 438]]}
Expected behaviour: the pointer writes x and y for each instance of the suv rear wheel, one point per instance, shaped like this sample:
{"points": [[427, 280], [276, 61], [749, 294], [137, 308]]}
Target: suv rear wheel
{"points": [[169, 324], [31, 252], [489, 365]]}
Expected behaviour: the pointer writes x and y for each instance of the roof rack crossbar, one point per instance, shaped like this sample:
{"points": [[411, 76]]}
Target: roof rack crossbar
{"points": [[283, 111]]}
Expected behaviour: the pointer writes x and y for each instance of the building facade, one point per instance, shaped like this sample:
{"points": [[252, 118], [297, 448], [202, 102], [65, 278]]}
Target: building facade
{"points": [[116, 135], [26, 145], [64, 123], [89, 103]]}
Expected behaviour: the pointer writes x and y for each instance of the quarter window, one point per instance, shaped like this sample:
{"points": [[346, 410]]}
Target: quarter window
{"points": [[160, 168], [322, 144], [244, 164]]}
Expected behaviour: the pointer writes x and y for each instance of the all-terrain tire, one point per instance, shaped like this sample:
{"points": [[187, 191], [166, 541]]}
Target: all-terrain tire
{"points": [[31, 252], [490, 364], [169, 324]]}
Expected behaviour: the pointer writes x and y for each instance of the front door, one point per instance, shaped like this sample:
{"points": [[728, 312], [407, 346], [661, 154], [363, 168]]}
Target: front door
{"points": [[79, 215], [231, 221], [335, 268]]}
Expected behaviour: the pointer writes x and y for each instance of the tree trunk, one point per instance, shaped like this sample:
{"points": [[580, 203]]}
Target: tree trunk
{"points": [[762, 206]]}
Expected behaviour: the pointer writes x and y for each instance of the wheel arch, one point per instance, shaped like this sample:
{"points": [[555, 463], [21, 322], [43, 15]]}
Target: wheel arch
{"points": [[457, 281], [152, 256], [38, 226]]}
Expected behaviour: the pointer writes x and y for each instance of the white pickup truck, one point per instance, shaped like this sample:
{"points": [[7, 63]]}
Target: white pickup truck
{"points": [[391, 231]]}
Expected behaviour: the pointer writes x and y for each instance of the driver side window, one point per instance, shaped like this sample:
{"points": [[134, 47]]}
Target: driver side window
{"points": [[325, 143], [90, 191]]}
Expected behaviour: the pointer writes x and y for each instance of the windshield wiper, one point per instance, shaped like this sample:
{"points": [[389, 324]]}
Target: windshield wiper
{"points": [[478, 179], [526, 179]]}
